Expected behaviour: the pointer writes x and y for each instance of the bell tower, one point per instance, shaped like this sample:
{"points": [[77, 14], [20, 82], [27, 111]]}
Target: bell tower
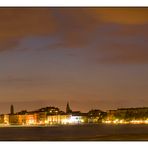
{"points": [[11, 110], [68, 110]]}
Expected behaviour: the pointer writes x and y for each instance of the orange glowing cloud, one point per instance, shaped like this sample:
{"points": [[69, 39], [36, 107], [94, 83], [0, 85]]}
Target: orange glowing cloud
{"points": [[128, 16]]}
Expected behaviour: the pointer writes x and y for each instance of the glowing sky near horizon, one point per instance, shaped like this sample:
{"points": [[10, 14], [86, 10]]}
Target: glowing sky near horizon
{"points": [[91, 57]]}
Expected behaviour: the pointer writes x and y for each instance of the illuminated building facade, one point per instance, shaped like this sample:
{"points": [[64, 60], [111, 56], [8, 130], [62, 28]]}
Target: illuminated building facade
{"points": [[41, 117], [65, 119], [13, 119], [6, 119], [54, 116], [57, 119], [49, 116], [1, 119], [31, 119], [96, 116], [129, 113]]}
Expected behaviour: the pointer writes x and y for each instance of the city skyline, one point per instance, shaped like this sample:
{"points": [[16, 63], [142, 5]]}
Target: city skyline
{"points": [[91, 57], [12, 110]]}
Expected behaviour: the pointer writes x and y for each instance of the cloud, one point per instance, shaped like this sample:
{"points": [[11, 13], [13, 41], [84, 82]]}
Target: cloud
{"points": [[121, 53], [17, 23], [74, 25], [81, 28], [77, 27], [128, 16]]}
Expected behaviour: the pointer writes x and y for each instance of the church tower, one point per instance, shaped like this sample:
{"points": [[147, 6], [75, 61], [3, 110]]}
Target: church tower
{"points": [[11, 110], [68, 110]]}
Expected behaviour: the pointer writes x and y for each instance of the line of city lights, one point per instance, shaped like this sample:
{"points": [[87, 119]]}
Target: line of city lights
{"points": [[117, 121]]}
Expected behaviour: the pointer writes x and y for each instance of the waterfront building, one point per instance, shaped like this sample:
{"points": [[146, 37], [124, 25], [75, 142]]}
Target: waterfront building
{"points": [[110, 115], [76, 119], [65, 119], [21, 119], [50, 115], [13, 119], [95, 116], [23, 112], [31, 119], [2, 119], [49, 110], [6, 119], [128, 114], [41, 117], [57, 119], [17, 119]]}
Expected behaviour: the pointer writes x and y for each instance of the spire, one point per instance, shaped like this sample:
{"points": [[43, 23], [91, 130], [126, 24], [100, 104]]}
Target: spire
{"points": [[11, 110], [68, 110]]}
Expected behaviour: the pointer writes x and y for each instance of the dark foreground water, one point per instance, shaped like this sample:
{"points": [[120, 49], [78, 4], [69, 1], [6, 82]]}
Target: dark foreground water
{"points": [[75, 133]]}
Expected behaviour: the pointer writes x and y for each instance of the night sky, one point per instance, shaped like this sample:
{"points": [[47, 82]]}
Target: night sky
{"points": [[95, 58]]}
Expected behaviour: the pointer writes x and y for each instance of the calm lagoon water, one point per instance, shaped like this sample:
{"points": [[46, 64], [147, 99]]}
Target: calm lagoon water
{"points": [[92, 132]]}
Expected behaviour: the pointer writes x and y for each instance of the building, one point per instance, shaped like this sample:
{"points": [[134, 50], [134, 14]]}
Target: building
{"points": [[41, 117], [50, 115], [21, 119], [111, 115], [13, 119], [96, 116], [31, 119], [49, 110], [68, 109], [65, 119], [11, 110], [57, 119], [128, 114], [6, 119], [2, 119]]}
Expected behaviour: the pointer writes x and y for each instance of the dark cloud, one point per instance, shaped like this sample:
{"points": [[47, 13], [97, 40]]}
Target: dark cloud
{"points": [[119, 34], [81, 28], [78, 25], [17, 23], [124, 48], [75, 27], [127, 16]]}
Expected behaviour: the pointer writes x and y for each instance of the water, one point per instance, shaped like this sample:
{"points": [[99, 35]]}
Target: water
{"points": [[94, 132]]}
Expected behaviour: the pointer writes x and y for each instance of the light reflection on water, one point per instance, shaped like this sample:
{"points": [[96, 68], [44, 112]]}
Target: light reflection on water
{"points": [[77, 132]]}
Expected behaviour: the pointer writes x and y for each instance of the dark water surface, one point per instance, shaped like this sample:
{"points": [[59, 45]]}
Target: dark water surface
{"points": [[77, 133]]}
